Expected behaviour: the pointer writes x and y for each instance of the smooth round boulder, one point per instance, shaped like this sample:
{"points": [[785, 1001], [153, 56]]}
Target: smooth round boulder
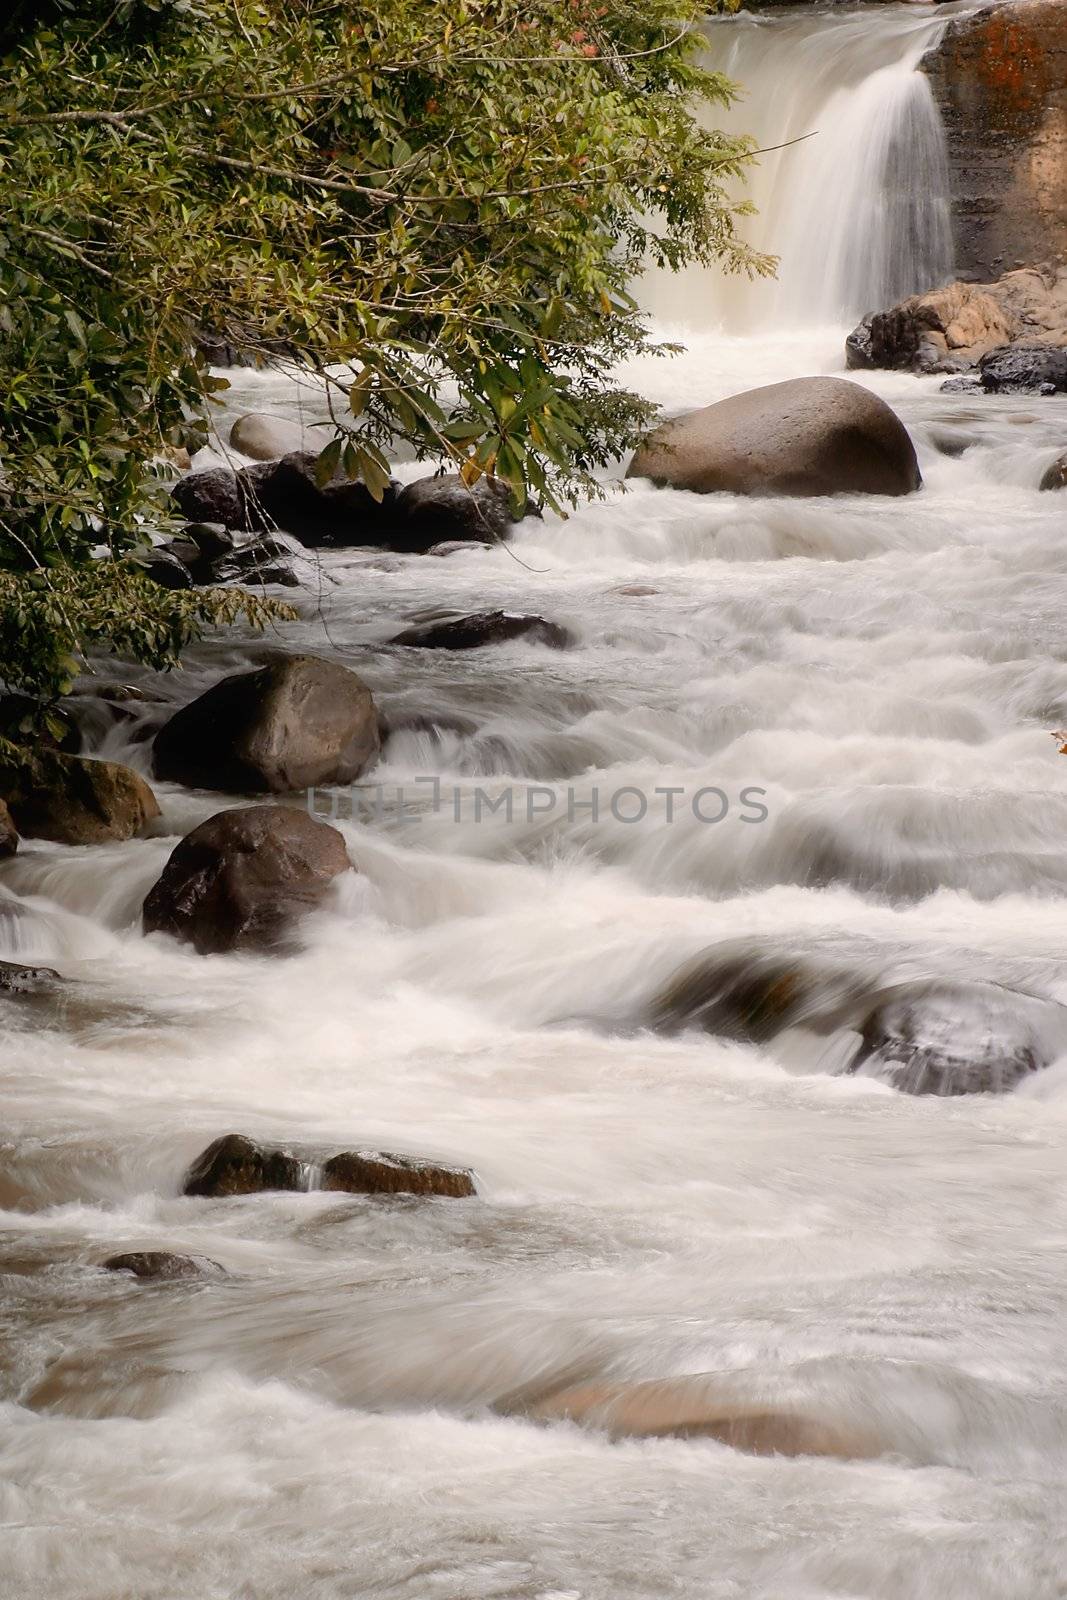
{"points": [[267, 438], [433, 511], [290, 725], [809, 436], [242, 878], [75, 800]]}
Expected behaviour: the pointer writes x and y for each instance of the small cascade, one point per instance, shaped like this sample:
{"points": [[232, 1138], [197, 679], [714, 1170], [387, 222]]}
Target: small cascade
{"points": [[852, 194]]}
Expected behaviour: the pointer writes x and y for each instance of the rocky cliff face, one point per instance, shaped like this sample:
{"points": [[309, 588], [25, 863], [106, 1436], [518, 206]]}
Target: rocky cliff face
{"points": [[1000, 79]]}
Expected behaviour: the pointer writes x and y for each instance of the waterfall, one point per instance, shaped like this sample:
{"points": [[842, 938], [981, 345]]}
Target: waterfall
{"points": [[856, 204]]}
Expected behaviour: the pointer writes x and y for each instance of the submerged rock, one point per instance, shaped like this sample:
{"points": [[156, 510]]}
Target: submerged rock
{"points": [[242, 879], [809, 436], [946, 1038], [9, 834], [292, 724], [75, 800], [236, 1165], [925, 1036], [382, 1172], [710, 1406], [163, 1266], [1056, 476], [482, 628]]}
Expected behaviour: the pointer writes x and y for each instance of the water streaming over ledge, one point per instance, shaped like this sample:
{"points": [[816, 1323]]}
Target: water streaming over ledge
{"points": [[853, 193], [321, 1422]]}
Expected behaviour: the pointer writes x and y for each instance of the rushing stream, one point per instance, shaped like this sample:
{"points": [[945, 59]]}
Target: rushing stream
{"points": [[340, 1415]]}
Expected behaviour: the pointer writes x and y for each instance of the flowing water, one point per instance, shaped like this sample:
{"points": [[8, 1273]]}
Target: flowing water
{"points": [[341, 1416]]}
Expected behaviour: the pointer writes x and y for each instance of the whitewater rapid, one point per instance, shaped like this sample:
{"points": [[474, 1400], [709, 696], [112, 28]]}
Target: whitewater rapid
{"points": [[325, 1421]]}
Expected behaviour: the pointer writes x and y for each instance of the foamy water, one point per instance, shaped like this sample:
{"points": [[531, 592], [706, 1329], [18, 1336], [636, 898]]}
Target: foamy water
{"points": [[341, 1416]]}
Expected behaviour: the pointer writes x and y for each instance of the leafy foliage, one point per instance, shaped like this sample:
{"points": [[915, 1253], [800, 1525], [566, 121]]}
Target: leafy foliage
{"points": [[437, 207]]}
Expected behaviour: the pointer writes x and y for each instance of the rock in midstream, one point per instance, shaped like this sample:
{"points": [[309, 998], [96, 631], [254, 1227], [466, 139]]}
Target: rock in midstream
{"points": [[163, 1266], [935, 1035], [293, 723], [236, 1165]]}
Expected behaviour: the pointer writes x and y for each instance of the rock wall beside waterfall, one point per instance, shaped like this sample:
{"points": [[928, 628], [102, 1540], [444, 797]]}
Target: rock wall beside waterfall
{"points": [[1000, 81]]}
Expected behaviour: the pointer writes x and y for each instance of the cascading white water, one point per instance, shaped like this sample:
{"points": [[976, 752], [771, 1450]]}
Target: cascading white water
{"points": [[852, 195], [336, 1417]]}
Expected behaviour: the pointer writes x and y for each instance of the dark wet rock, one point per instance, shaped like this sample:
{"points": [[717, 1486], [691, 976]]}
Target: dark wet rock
{"points": [[269, 558], [213, 540], [163, 1266], [241, 879], [1025, 369], [74, 800], [18, 979], [1056, 476], [381, 1172], [809, 436], [339, 513], [267, 438], [482, 628], [235, 1165], [970, 384], [432, 510], [945, 1038], [165, 567], [212, 496], [9, 834], [294, 723], [858, 353]]}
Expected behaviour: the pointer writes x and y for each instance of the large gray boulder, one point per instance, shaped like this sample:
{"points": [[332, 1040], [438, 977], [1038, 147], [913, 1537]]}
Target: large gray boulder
{"points": [[241, 879], [286, 726], [809, 436]]}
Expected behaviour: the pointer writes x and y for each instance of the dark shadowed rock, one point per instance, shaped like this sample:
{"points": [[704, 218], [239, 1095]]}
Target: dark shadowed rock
{"points": [[9, 834], [242, 878], [212, 496], [74, 800], [482, 628], [165, 566], [947, 1038], [340, 513], [235, 1165], [1025, 369], [286, 726], [380, 1172], [970, 383], [809, 436], [163, 1266], [858, 355], [17, 979], [213, 540], [1056, 476], [431, 511]]}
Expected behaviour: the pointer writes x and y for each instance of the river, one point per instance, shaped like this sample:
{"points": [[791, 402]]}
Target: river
{"points": [[340, 1416]]}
